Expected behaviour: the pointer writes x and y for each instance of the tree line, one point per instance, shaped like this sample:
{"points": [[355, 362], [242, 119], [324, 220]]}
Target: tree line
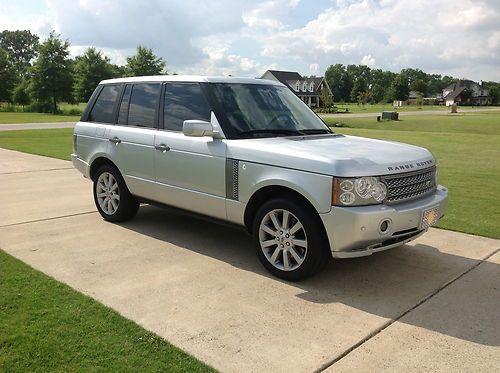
{"points": [[41, 74], [362, 84]]}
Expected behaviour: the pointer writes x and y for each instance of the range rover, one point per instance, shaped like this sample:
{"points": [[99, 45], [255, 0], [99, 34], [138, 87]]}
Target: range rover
{"points": [[250, 152]]}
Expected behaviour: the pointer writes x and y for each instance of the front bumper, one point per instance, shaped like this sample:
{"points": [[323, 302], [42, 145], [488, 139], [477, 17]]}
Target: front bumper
{"points": [[81, 165], [355, 231]]}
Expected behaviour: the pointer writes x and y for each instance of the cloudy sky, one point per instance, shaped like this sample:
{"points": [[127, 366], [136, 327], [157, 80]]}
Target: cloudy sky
{"points": [[245, 37]]}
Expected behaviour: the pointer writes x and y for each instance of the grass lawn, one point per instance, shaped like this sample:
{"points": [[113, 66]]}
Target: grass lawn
{"points": [[378, 108], [56, 143], [7, 117], [47, 326], [468, 151], [467, 148]]}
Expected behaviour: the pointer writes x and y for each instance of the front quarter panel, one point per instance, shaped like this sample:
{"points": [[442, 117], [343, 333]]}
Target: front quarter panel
{"points": [[314, 187]]}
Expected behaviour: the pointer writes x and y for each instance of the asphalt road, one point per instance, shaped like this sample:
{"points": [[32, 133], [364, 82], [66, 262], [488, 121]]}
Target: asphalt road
{"points": [[431, 305]]}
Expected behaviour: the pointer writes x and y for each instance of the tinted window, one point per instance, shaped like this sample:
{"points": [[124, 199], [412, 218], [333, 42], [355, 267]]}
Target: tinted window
{"points": [[104, 105], [123, 113], [184, 102], [143, 103]]}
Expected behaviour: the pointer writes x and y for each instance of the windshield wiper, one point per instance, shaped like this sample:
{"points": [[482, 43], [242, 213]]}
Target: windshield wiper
{"points": [[276, 131], [316, 131]]}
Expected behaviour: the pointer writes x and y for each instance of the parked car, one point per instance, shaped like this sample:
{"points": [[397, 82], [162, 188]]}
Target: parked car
{"points": [[250, 152]]}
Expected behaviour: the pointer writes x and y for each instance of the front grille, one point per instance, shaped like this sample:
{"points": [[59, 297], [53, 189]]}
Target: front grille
{"points": [[410, 185]]}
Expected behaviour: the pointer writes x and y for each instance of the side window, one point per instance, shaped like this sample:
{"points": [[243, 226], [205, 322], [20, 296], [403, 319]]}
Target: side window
{"points": [[184, 101], [123, 112], [143, 104], [104, 105]]}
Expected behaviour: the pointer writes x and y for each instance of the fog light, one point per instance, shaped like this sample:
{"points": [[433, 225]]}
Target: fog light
{"points": [[384, 226]]}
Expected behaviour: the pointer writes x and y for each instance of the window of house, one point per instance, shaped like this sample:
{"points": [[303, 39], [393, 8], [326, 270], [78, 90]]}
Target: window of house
{"points": [[311, 87], [297, 86], [184, 101], [304, 86], [143, 103], [104, 106]]}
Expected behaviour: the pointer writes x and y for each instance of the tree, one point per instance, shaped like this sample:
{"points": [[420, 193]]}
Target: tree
{"points": [[377, 93], [21, 95], [419, 86], [21, 45], [399, 89], [363, 97], [145, 62], [52, 76], [90, 69], [7, 77], [339, 82], [325, 98], [358, 87]]}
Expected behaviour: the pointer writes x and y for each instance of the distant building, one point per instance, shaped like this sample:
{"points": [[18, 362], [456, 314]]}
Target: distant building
{"points": [[466, 92], [307, 89]]}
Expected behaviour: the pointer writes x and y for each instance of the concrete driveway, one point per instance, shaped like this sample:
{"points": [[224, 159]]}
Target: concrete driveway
{"points": [[430, 305]]}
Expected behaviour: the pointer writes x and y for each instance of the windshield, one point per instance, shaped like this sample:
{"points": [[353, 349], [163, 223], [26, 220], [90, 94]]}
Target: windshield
{"points": [[259, 110]]}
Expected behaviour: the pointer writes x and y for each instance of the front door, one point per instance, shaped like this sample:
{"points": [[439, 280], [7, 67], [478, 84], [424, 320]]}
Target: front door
{"points": [[190, 171]]}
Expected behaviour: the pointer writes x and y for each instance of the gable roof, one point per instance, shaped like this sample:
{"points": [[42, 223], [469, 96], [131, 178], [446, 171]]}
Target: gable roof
{"points": [[283, 76], [455, 93]]}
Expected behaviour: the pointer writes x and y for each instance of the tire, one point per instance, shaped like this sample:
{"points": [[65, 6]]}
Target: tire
{"points": [[111, 195], [287, 250]]}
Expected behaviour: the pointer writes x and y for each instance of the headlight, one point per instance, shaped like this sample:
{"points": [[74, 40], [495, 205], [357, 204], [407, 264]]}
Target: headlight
{"points": [[367, 190]]}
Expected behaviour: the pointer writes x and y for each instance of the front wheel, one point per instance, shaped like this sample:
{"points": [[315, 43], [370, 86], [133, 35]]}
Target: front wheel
{"points": [[112, 197], [290, 239]]}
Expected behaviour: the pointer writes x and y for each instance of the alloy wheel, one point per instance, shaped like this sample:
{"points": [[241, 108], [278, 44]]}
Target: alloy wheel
{"points": [[283, 239], [108, 193]]}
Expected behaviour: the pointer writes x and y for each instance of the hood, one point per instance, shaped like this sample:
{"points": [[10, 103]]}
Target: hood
{"points": [[337, 155]]}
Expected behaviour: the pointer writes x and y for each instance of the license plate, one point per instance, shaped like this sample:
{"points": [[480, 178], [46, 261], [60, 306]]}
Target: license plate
{"points": [[429, 217]]}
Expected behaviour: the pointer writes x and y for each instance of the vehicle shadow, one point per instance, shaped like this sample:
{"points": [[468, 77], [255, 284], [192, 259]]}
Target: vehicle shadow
{"points": [[386, 284]]}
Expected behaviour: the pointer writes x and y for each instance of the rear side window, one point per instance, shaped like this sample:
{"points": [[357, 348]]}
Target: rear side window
{"points": [[143, 104], [123, 112], [103, 108], [184, 102]]}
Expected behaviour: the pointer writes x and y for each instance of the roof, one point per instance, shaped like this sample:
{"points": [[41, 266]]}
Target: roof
{"points": [[191, 78], [454, 93], [283, 76]]}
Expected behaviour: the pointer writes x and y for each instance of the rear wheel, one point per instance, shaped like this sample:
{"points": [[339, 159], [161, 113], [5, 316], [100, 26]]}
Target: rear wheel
{"points": [[290, 240], [112, 197]]}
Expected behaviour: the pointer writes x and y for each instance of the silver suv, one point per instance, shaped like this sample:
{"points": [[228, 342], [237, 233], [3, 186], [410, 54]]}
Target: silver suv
{"points": [[250, 152]]}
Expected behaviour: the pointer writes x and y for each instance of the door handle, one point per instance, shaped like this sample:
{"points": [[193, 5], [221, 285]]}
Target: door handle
{"points": [[162, 148], [115, 140]]}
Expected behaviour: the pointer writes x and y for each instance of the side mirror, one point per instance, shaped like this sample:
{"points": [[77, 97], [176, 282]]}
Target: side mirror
{"points": [[197, 128]]}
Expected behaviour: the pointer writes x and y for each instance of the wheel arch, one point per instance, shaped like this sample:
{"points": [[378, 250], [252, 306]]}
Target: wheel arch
{"points": [[98, 162], [268, 192]]}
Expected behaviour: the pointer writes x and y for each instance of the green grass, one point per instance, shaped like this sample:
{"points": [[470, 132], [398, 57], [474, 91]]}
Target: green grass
{"points": [[56, 143], [378, 108], [47, 326], [467, 148], [8, 117], [468, 151]]}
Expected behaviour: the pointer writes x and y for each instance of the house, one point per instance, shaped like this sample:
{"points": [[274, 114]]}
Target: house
{"points": [[307, 89], [466, 92]]}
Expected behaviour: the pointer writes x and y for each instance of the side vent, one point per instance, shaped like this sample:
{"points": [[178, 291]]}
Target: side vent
{"points": [[232, 166]]}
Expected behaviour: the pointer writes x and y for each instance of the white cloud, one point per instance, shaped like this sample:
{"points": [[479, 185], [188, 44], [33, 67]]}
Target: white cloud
{"points": [[244, 37], [267, 15], [314, 69], [399, 34]]}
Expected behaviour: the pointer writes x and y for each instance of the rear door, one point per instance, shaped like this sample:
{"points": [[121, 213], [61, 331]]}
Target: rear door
{"points": [[190, 171], [132, 138]]}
